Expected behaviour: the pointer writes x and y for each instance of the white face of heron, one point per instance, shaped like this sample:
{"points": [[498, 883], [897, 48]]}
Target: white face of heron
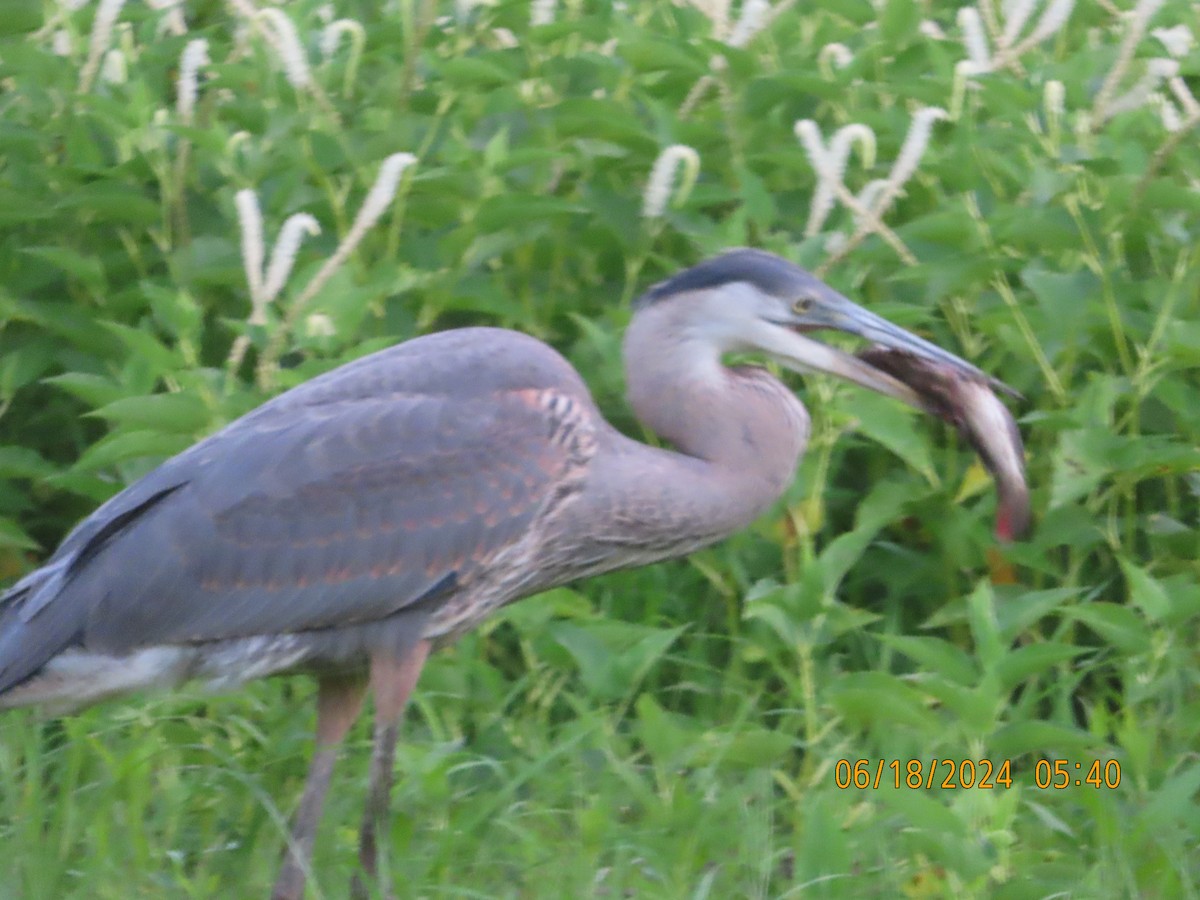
{"points": [[734, 318], [691, 331], [739, 317]]}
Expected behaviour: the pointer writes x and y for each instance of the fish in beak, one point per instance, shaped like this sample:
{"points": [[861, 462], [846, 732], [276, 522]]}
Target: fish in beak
{"points": [[969, 404], [902, 365], [793, 304]]}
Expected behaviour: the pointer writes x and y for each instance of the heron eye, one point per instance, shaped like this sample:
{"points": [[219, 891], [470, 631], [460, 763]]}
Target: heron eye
{"points": [[803, 305]]}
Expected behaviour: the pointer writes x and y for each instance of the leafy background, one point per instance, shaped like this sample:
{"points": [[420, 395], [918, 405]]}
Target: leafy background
{"points": [[673, 731]]}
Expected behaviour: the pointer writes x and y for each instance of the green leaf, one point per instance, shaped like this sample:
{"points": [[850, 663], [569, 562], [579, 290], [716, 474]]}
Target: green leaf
{"points": [[871, 698], [747, 747], [936, 656], [1040, 739], [24, 462], [19, 16], [472, 72], [177, 413], [985, 626], [614, 657], [922, 810], [652, 54], [786, 629], [841, 618], [14, 537], [506, 211], [975, 709], [1145, 591], [65, 320], [175, 310], [23, 366], [1061, 296], [147, 348], [1016, 614], [1052, 821], [879, 508], [130, 445], [1033, 660], [1118, 625], [886, 422], [95, 390], [595, 119], [533, 614], [87, 269], [111, 203], [1080, 464], [671, 739], [898, 20], [1173, 802]]}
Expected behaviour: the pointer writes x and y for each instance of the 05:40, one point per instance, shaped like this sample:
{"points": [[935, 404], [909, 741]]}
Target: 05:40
{"points": [[1060, 773]]}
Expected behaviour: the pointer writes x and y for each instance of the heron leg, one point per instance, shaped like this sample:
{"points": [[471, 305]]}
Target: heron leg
{"points": [[392, 681], [339, 701]]}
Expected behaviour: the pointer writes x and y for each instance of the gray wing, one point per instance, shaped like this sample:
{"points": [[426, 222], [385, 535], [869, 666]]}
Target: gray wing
{"points": [[339, 502]]}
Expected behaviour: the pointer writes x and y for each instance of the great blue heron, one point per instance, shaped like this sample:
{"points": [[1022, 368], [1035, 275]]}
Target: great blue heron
{"points": [[351, 525]]}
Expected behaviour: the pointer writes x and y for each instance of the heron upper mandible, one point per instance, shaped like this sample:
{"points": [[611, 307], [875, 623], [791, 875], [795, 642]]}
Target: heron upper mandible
{"points": [[353, 524]]}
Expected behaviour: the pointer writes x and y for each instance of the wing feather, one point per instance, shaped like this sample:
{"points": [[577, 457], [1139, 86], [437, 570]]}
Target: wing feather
{"points": [[339, 502], [360, 514]]}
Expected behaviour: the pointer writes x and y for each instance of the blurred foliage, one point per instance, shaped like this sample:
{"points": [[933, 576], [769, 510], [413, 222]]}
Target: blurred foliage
{"points": [[673, 731]]}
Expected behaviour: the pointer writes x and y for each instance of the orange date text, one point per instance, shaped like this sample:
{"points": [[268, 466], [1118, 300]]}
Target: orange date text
{"points": [[922, 774]]}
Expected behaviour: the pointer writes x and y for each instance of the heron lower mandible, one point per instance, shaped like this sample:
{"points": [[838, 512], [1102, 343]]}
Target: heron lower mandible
{"points": [[353, 524]]}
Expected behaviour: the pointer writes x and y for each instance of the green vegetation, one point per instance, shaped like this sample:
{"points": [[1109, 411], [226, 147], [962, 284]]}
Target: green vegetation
{"points": [[676, 731]]}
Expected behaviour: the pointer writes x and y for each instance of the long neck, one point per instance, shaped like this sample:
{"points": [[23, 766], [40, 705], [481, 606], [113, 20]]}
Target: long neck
{"points": [[738, 434]]}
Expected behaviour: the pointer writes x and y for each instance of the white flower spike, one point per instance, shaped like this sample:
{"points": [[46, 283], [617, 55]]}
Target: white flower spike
{"points": [[283, 254], [974, 38], [319, 325], [541, 12], [830, 164], [114, 70], [754, 16], [870, 204], [1178, 40], [253, 247], [1010, 46], [102, 29], [332, 34], [659, 186], [1105, 106], [914, 146], [191, 61], [376, 203], [287, 44]]}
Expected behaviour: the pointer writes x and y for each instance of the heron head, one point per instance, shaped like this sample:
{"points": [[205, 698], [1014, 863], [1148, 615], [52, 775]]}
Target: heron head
{"points": [[751, 300]]}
